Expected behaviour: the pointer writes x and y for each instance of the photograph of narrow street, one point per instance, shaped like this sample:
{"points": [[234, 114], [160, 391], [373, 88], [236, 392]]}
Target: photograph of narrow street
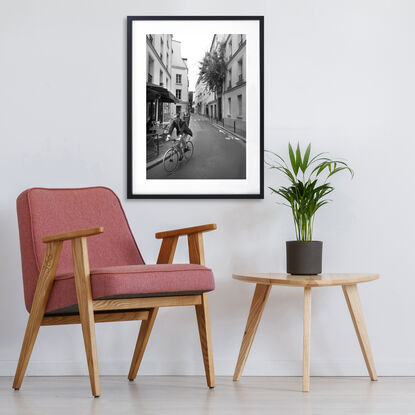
{"points": [[196, 106], [218, 154]]}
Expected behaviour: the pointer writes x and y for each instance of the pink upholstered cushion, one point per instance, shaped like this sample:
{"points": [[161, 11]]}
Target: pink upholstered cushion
{"points": [[134, 281], [43, 212]]}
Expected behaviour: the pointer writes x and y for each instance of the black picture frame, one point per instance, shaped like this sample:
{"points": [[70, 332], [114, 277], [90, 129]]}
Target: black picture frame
{"points": [[130, 193]]}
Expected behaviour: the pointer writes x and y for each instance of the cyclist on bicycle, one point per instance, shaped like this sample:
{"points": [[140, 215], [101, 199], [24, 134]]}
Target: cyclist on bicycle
{"points": [[182, 130]]}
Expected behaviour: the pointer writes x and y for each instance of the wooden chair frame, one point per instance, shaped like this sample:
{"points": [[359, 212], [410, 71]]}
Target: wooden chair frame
{"points": [[126, 309]]}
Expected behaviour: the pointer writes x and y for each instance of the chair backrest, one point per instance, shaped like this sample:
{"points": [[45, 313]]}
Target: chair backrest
{"points": [[42, 212]]}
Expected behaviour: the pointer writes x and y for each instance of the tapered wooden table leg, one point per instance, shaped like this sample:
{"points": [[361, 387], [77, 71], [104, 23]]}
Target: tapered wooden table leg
{"points": [[264, 281], [351, 294], [306, 339], [255, 313]]}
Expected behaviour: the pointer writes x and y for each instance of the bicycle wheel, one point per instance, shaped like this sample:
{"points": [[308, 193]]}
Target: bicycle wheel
{"points": [[171, 160], [188, 150]]}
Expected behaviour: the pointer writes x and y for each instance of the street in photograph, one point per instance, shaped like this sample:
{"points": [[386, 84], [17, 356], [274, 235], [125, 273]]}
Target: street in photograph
{"points": [[196, 106]]}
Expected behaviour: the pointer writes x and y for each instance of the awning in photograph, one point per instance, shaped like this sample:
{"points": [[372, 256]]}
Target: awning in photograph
{"points": [[155, 92]]}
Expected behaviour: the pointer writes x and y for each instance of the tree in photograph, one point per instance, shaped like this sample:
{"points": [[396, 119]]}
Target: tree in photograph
{"points": [[212, 69]]}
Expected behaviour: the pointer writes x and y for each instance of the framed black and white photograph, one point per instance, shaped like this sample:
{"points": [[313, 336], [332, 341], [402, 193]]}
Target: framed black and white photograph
{"points": [[195, 107]]}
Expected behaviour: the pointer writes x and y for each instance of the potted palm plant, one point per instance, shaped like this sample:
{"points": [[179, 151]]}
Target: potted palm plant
{"points": [[305, 195]]}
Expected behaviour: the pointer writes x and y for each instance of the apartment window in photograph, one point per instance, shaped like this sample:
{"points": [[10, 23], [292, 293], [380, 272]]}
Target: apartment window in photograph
{"points": [[240, 114], [229, 107], [178, 79], [150, 68], [161, 78], [229, 78], [178, 93], [240, 73], [167, 82], [161, 48], [167, 57], [230, 47]]}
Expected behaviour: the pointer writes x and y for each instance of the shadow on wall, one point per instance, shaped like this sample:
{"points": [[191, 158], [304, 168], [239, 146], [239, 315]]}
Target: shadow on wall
{"points": [[251, 230], [11, 283]]}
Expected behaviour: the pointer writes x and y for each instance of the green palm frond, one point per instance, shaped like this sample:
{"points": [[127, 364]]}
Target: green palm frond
{"points": [[307, 195]]}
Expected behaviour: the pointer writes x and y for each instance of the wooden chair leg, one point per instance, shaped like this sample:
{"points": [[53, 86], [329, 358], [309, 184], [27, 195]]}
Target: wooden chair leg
{"points": [[40, 300], [255, 313], [166, 255], [86, 310], [306, 339], [351, 295], [142, 340], [203, 322]]}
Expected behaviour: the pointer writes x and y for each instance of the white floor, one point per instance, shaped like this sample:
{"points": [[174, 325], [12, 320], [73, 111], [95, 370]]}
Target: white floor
{"points": [[189, 395]]}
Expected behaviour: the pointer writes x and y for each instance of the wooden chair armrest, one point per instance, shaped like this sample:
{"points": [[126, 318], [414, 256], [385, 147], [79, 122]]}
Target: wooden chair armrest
{"points": [[194, 240], [73, 234], [186, 231]]}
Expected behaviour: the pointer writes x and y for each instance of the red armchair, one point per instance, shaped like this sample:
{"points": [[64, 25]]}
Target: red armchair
{"points": [[105, 279]]}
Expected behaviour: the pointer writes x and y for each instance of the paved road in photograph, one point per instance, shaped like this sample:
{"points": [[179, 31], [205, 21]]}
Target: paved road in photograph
{"points": [[217, 155]]}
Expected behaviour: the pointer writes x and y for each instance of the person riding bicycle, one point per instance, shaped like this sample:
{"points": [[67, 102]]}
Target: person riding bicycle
{"points": [[181, 131]]}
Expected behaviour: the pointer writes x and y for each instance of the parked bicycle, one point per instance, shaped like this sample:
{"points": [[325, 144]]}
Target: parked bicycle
{"points": [[172, 156]]}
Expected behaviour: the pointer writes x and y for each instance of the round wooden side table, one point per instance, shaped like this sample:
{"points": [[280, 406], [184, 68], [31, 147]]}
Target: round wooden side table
{"points": [[264, 282]]}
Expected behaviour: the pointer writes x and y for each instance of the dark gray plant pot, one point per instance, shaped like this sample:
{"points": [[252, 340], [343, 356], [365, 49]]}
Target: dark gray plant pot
{"points": [[304, 258]]}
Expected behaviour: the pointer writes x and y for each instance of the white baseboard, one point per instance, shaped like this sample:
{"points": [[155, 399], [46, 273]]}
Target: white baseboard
{"points": [[222, 368]]}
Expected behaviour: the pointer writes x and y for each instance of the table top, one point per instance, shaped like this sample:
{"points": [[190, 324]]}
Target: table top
{"points": [[319, 280]]}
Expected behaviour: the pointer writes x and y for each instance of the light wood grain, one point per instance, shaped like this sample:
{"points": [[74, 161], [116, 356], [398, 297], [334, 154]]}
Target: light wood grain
{"points": [[166, 256], [167, 250], [146, 302], [142, 340], [352, 297], [186, 231], [319, 280], [73, 234], [306, 339], [197, 256], [86, 310], [40, 300], [203, 323], [264, 282], [255, 313], [99, 318], [196, 248]]}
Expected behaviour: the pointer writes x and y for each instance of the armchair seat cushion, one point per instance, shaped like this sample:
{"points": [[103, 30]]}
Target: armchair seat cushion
{"points": [[130, 281]]}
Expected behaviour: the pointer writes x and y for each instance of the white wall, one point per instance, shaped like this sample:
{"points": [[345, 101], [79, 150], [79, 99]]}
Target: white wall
{"points": [[339, 74]]}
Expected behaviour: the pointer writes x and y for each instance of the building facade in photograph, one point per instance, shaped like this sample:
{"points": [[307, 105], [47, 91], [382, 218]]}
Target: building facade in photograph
{"points": [[214, 103], [180, 79], [202, 96], [206, 102], [159, 74], [228, 107], [159, 59], [234, 91], [191, 93]]}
